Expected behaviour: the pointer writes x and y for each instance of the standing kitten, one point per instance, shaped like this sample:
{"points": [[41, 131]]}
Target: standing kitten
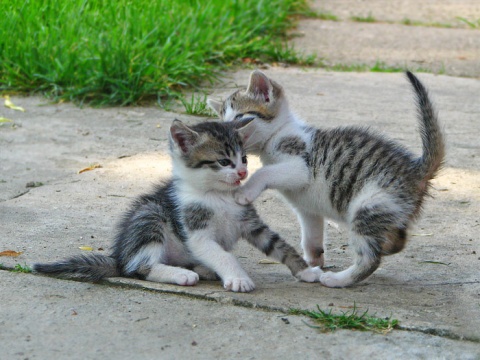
{"points": [[352, 175], [189, 221]]}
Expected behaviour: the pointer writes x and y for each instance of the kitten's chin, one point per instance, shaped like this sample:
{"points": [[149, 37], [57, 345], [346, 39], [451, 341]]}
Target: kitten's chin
{"points": [[231, 185]]}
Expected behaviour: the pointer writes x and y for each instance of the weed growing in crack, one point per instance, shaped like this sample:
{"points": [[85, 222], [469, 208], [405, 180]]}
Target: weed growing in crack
{"points": [[367, 19], [22, 268], [352, 320]]}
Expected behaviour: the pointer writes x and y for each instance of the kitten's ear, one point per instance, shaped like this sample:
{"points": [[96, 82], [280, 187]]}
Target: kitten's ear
{"points": [[184, 137], [260, 86], [245, 129], [215, 105]]}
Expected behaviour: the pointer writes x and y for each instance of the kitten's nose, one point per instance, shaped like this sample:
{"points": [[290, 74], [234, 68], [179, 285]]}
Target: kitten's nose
{"points": [[242, 174]]}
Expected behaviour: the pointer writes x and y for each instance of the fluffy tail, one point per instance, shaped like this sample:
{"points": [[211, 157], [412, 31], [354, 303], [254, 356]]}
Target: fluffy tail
{"points": [[92, 267], [432, 138]]}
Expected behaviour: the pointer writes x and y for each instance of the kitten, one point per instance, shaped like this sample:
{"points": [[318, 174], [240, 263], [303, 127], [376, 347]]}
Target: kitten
{"points": [[191, 221], [351, 175]]}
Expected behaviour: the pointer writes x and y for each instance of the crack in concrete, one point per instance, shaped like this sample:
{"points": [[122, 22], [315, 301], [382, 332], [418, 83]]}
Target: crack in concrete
{"points": [[217, 297]]}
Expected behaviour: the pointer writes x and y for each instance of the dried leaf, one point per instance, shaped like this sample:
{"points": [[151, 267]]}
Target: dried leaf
{"points": [[10, 105], [89, 168], [268, 262], [86, 248], [11, 253]]}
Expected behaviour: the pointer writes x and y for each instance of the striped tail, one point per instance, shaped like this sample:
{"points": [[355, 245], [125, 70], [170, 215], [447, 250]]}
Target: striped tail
{"points": [[92, 267], [432, 138]]}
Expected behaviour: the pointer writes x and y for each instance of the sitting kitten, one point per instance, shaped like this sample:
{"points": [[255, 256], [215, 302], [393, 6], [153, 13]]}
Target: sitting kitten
{"points": [[351, 175], [190, 221]]}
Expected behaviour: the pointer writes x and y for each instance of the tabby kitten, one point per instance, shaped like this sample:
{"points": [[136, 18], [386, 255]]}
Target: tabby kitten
{"points": [[351, 175], [190, 222]]}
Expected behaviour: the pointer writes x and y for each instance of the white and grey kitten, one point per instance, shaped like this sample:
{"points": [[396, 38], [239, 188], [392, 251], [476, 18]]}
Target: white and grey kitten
{"points": [[349, 174], [191, 222]]}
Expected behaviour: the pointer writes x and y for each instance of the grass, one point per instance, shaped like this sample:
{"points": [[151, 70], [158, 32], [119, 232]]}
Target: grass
{"points": [[197, 105], [366, 19], [22, 268], [474, 24], [351, 320], [379, 66], [410, 22], [124, 52]]}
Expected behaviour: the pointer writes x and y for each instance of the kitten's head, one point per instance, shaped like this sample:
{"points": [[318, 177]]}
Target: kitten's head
{"points": [[261, 102], [210, 155]]}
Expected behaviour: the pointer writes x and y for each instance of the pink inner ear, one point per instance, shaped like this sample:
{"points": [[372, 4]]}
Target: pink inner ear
{"points": [[181, 140], [261, 86]]}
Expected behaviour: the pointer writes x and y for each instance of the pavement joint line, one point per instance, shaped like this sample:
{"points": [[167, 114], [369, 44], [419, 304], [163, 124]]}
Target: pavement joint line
{"points": [[217, 297]]}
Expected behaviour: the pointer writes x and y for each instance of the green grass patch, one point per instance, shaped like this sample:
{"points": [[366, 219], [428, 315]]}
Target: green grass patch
{"points": [[22, 268], [379, 66], [366, 19], [123, 52], [321, 15], [351, 320], [197, 105], [474, 24], [410, 22]]}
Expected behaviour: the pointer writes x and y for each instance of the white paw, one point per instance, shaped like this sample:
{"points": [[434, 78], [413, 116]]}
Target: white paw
{"points": [[245, 197], [239, 284], [186, 278], [310, 274], [334, 280]]}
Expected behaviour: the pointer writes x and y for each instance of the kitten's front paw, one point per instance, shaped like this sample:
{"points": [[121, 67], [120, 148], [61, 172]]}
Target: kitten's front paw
{"points": [[186, 278], [310, 274], [239, 284], [334, 280], [245, 197]]}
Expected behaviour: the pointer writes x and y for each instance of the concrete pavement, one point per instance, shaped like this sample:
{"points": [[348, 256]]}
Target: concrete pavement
{"points": [[432, 287]]}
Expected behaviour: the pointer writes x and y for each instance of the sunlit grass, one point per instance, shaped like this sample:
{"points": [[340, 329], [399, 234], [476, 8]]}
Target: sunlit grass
{"points": [[125, 51]]}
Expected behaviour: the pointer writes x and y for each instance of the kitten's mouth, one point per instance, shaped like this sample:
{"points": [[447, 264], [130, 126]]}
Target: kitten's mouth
{"points": [[236, 183]]}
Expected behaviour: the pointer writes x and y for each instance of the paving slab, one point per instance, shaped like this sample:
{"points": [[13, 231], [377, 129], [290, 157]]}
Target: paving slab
{"points": [[444, 12], [44, 318], [432, 287], [453, 51]]}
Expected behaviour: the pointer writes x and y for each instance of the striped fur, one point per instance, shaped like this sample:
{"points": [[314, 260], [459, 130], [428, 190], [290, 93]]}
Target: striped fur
{"points": [[191, 221], [349, 174]]}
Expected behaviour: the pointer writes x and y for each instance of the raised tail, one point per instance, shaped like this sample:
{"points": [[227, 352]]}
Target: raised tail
{"points": [[92, 267], [432, 138]]}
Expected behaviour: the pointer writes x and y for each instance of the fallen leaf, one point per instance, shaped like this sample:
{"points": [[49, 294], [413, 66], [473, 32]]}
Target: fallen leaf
{"points": [[10, 105], [89, 168], [86, 248], [4, 120], [268, 262], [11, 253]]}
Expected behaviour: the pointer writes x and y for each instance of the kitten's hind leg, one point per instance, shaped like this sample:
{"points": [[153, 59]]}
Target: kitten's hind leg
{"points": [[263, 238], [312, 238], [367, 260], [173, 275]]}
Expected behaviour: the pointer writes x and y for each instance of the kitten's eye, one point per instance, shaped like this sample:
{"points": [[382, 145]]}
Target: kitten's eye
{"points": [[238, 117], [244, 159], [224, 162]]}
